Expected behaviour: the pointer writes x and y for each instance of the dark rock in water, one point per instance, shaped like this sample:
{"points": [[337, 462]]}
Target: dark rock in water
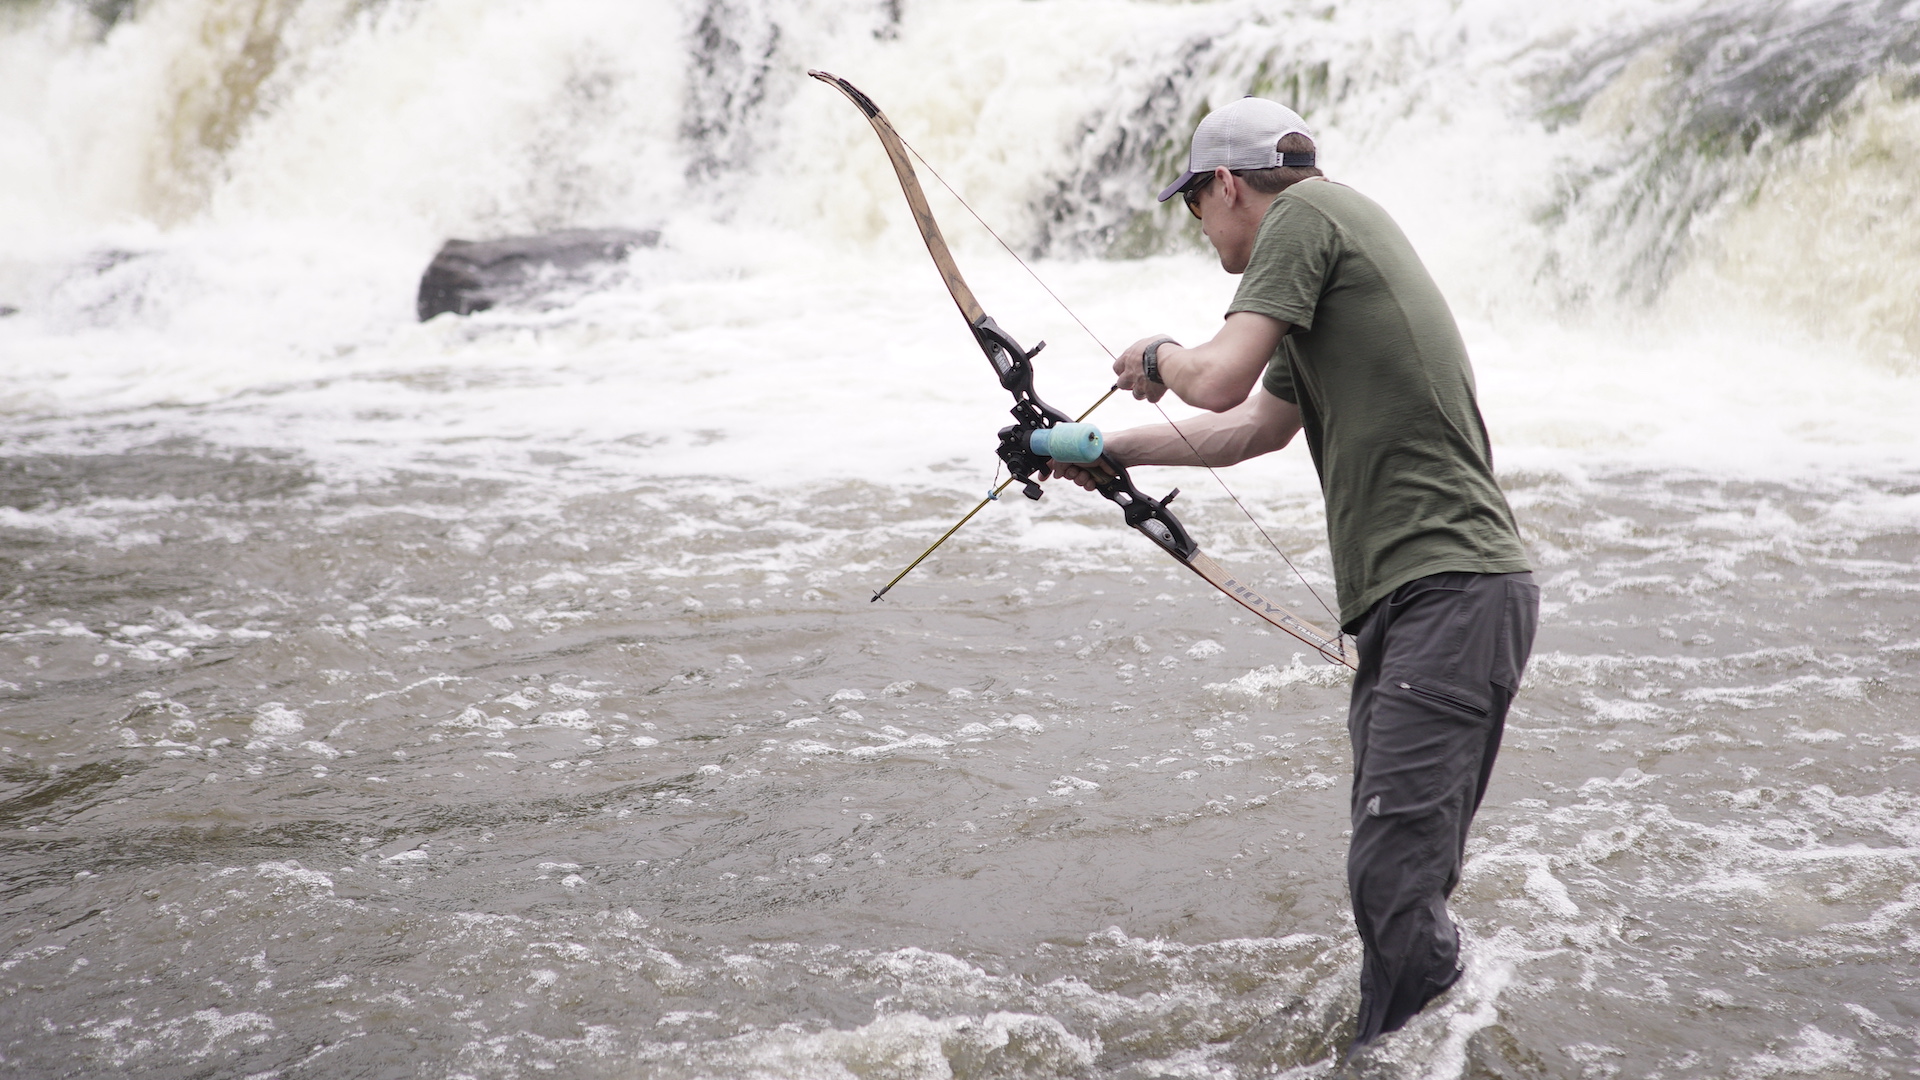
{"points": [[474, 275]]}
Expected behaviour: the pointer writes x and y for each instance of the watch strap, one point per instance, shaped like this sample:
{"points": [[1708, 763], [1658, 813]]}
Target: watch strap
{"points": [[1150, 359]]}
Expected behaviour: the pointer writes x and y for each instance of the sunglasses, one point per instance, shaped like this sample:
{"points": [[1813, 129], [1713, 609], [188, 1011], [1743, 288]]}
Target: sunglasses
{"points": [[1192, 196]]}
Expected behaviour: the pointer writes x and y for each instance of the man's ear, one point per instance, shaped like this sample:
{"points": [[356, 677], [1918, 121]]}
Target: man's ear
{"points": [[1230, 187]]}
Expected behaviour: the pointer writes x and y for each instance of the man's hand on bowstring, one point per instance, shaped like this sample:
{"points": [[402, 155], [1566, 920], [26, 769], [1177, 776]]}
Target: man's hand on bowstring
{"points": [[1129, 369]]}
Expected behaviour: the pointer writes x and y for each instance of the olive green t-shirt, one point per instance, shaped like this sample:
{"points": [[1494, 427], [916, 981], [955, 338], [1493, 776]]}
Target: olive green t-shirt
{"points": [[1386, 396]]}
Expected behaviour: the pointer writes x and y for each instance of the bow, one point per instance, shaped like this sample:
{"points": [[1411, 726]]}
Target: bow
{"points": [[1013, 366]]}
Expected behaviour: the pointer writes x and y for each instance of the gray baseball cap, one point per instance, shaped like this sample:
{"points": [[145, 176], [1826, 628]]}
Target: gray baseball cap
{"points": [[1242, 135]]}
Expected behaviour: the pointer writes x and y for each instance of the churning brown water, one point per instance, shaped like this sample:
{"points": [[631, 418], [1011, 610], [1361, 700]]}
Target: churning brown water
{"points": [[380, 782]]}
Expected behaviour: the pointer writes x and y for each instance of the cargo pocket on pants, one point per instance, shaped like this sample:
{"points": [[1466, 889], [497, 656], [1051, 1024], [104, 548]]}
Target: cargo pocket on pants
{"points": [[1442, 697]]}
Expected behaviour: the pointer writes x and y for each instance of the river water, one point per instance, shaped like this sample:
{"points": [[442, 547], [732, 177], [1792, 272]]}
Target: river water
{"points": [[499, 696]]}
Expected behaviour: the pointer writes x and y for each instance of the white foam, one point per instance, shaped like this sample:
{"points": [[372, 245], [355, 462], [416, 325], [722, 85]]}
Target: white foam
{"points": [[275, 718], [295, 873], [904, 1045], [1812, 1051], [287, 281], [1271, 680], [897, 746]]}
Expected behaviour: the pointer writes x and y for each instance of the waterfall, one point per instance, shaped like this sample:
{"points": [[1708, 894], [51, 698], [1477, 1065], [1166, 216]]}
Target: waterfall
{"points": [[1620, 153]]}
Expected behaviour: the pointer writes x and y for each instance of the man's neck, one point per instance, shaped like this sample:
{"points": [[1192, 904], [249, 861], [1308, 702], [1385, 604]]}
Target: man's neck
{"points": [[1259, 202]]}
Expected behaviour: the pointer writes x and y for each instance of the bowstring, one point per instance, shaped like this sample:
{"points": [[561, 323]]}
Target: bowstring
{"points": [[1197, 455]]}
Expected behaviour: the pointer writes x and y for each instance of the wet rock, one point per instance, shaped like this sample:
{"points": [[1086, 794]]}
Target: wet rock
{"points": [[474, 275]]}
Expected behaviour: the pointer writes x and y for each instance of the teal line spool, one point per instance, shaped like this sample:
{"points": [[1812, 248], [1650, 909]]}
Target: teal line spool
{"points": [[1075, 444]]}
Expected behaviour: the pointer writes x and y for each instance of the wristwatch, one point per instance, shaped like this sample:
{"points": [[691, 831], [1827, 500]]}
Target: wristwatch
{"points": [[1150, 360]]}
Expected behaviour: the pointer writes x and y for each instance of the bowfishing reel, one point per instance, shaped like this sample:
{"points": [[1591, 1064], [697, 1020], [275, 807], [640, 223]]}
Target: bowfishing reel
{"points": [[1028, 450]]}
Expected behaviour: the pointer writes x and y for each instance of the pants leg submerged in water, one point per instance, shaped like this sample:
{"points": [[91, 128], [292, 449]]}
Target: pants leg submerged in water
{"points": [[1439, 660]]}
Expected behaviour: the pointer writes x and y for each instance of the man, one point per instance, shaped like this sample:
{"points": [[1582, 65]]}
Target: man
{"points": [[1359, 349]]}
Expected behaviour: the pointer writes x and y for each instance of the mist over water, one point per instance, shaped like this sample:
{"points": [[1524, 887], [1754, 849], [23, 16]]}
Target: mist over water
{"points": [[498, 696]]}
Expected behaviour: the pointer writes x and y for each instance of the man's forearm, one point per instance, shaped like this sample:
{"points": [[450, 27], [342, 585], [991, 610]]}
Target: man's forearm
{"points": [[1201, 377], [1215, 375], [1214, 439]]}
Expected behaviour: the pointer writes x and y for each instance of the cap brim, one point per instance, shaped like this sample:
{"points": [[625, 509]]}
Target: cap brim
{"points": [[1179, 185]]}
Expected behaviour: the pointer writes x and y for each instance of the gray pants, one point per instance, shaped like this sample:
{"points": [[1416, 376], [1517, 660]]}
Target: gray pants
{"points": [[1439, 660]]}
